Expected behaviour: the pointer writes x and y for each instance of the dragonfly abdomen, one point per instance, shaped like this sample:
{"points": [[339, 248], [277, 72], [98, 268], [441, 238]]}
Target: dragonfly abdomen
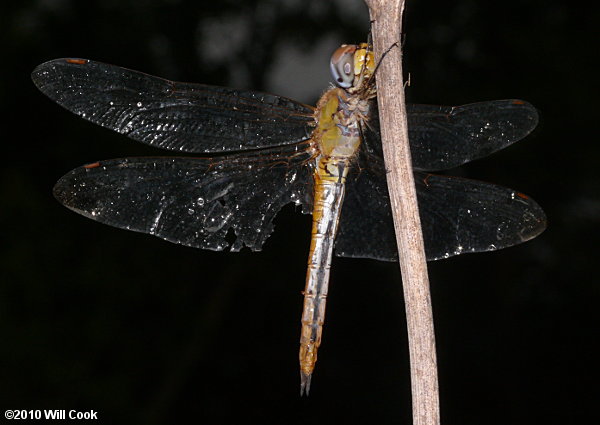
{"points": [[329, 196], [337, 139]]}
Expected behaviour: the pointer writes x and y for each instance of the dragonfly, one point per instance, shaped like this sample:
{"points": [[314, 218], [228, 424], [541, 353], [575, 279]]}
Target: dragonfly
{"points": [[260, 152]]}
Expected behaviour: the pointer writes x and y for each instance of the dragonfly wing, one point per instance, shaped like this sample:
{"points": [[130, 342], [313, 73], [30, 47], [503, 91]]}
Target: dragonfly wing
{"points": [[197, 202], [184, 117], [461, 215], [457, 216], [366, 229], [444, 137]]}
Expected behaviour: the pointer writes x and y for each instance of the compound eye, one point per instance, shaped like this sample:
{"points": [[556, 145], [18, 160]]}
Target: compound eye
{"points": [[342, 65]]}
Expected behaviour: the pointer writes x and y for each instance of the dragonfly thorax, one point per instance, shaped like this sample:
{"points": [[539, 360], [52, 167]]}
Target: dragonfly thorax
{"points": [[338, 134]]}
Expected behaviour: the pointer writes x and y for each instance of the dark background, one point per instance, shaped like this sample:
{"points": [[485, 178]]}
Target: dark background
{"points": [[144, 331]]}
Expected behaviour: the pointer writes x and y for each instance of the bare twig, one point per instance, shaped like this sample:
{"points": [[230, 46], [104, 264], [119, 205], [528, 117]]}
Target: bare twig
{"points": [[386, 18]]}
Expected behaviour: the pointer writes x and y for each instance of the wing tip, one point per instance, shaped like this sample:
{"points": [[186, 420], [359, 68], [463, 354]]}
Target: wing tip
{"points": [[39, 73]]}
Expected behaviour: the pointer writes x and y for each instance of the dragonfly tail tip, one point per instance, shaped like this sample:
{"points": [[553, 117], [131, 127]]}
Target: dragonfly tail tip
{"points": [[304, 384]]}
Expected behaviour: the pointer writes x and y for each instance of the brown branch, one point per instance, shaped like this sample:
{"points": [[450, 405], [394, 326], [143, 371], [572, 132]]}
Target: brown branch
{"points": [[386, 19]]}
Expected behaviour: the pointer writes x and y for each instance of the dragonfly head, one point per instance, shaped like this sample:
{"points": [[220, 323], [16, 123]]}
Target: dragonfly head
{"points": [[351, 65]]}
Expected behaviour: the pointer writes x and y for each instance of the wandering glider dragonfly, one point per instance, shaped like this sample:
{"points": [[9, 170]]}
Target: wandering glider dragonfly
{"points": [[263, 151]]}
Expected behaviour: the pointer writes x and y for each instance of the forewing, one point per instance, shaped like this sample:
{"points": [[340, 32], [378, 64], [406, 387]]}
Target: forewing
{"points": [[444, 137], [457, 216], [197, 202], [184, 117]]}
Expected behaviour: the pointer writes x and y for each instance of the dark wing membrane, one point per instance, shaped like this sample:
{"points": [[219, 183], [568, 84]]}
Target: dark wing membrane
{"points": [[366, 229], [184, 117], [444, 137], [457, 216], [197, 202]]}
